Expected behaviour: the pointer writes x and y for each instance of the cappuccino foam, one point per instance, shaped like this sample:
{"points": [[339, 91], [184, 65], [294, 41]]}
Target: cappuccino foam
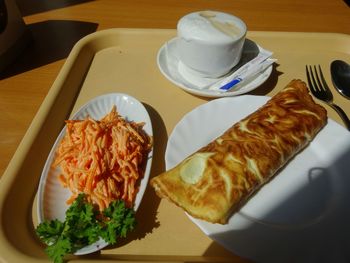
{"points": [[210, 26]]}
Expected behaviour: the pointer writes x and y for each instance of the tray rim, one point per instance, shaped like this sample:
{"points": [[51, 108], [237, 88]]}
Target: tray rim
{"points": [[8, 252]]}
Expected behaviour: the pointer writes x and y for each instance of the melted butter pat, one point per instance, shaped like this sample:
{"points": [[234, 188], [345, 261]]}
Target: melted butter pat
{"points": [[193, 168]]}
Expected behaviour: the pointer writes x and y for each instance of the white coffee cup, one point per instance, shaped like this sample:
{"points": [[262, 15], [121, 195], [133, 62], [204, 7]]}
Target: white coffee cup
{"points": [[210, 43]]}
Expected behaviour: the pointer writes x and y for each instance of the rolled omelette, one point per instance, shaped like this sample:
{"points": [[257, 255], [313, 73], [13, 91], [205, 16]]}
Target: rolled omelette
{"points": [[219, 178]]}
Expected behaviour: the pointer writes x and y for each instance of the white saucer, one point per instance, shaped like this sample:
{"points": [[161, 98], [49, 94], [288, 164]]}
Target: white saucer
{"points": [[180, 75]]}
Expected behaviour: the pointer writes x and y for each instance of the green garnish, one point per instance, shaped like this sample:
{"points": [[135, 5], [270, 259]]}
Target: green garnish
{"points": [[83, 226]]}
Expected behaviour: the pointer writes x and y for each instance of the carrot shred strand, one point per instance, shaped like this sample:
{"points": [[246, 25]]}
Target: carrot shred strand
{"points": [[104, 159]]}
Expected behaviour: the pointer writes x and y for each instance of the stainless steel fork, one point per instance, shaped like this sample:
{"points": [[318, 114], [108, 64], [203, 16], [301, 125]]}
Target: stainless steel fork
{"points": [[319, 88]]}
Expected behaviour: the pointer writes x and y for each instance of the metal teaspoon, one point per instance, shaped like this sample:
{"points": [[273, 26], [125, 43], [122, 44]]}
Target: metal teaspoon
{"points": [[340, 72]]}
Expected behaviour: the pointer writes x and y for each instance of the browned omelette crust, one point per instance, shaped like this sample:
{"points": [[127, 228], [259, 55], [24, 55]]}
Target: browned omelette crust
{"points": [[246, 156]]}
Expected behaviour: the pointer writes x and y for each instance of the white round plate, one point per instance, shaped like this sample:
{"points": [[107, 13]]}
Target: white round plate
{"points": [[174, 71], [302, 214], [52, 196]]}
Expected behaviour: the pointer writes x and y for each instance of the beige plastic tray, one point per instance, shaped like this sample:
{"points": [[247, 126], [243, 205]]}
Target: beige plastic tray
{"points": [[124, 60]]}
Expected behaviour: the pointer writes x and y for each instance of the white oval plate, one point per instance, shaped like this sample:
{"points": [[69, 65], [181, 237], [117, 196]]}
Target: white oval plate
{"points": [[52, 196], [307, 196], [170, 67]]}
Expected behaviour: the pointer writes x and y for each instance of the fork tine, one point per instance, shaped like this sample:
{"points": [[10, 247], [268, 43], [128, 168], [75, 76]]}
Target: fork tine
{"points": [[314, 84], [309, 79], [319, 84], [323, 79]]}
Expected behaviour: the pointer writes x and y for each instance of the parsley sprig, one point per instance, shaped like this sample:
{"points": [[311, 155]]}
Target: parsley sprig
{"points": [[83, 226]]}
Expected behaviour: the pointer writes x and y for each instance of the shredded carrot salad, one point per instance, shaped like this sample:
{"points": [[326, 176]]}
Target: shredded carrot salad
{"points": [[103, 159]]}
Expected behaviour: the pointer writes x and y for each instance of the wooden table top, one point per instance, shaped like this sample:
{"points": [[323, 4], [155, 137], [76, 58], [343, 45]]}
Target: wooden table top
{"points": [[56, 26]]}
